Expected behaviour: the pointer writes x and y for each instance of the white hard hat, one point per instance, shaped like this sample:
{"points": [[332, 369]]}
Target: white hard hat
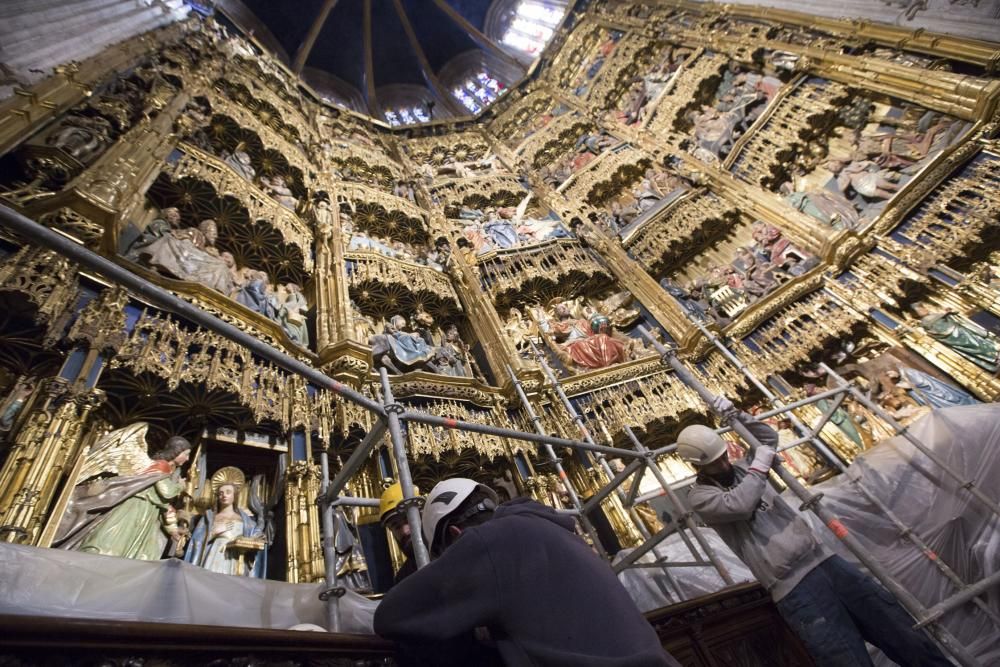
{"points": [[445, 498], [700, 445]]}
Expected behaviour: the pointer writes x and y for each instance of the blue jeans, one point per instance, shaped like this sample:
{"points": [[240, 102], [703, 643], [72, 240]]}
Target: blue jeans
{"points": [[836, 608]]}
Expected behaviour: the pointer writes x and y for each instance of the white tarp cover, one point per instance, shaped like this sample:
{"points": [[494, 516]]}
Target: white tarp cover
{"points": [[653, 588], [53, 582], [961, 530]]}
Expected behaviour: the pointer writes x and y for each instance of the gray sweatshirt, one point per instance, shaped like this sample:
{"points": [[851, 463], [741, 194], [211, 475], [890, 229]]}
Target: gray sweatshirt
{"points": [[762, 529]]}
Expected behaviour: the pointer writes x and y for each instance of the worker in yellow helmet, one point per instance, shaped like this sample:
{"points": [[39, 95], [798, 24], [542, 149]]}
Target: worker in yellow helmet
{"points": [[393, 518]]}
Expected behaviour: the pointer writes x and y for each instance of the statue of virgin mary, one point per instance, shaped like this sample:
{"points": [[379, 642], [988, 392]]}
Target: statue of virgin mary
{"points": [[212, 542]]}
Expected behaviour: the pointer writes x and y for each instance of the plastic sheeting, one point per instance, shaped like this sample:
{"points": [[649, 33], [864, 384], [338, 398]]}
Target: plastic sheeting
{"points": [[53, 582], [653, 588], [964, 533]]}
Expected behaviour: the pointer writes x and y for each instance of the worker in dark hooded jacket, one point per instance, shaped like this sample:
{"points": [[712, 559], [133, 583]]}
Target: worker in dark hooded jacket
{"points": [[520, 578]]}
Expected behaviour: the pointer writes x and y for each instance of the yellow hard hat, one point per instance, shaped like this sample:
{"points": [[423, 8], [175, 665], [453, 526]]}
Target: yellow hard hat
{"points": [[391, 498]]}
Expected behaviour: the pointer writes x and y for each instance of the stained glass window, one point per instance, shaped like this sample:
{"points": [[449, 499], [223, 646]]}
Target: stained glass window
{"points": [[478, 91], [532, 26], [410, 115]]}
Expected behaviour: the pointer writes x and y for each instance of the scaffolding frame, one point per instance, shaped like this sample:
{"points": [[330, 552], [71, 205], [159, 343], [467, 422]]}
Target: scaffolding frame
{"points": [[390, 415]]}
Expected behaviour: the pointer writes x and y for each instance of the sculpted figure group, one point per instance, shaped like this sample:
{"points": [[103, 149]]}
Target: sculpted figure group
{"points": [[127, 504], [505, 228], [189, 253], [755, 271], [846, 178], [582, 333], [415, 345]]}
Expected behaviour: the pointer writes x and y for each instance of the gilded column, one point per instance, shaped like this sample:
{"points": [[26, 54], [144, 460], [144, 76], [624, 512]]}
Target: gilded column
{"points": [[339, 346], [49, 443], [305, 552]]}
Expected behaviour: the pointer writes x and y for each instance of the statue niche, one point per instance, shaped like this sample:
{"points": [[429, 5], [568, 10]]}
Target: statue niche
{"points": [[587, 147], [740, 97], [645, 91], [506, 227], [584, 334], [418, 344], [632, 207], [727, 289], [592, 66], [190, 254]]}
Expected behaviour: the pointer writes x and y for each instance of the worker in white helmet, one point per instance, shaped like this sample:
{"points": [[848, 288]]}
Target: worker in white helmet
{"points": [[512, 584], [827, 601]]}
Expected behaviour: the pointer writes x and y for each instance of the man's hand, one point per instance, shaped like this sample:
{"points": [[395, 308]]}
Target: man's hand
{"points": [[723, 407], [763, 460]]}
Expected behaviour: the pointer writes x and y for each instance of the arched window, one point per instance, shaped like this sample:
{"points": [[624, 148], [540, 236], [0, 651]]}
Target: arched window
{"points": [[478, 90], [408, 115], [532, 25]]}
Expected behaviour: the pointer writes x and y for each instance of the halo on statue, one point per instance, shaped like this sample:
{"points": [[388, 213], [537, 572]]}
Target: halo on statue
{"points": [[228, 475]]}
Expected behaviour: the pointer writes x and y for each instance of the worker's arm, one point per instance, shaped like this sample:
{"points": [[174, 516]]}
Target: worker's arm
{"points": [[766, 435], [451, 596], [715, 505]]}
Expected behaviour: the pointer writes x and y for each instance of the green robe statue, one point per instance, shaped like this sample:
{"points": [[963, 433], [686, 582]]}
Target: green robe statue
{"points": [[967, 338], [121, 516]]}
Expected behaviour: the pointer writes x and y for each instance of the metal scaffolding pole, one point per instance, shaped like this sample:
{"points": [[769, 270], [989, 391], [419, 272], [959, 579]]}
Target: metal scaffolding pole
{"points": [[811, 435], [813, 503], [409, 503], [686, 515], [557, 463], [585, 432], [332, 593]]}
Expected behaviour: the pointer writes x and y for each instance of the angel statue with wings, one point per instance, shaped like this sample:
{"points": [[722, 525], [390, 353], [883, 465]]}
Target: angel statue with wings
{"points": [[122, 505], [226, 538]]}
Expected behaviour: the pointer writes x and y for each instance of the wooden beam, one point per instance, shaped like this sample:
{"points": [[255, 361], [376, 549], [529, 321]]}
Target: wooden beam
{"points": [[310, 41], [372, 100], [478, 37], [425, 65]]}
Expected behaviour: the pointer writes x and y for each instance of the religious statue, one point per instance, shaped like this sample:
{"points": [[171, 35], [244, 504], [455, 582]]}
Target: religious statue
{"points": [[11, 406], [292, 315], [190, 254], [925, 389], [122, 505], [170, 220], [961, 335], [840, 417], [239, 160], [521, 331], [584, 341], [278, 189], [227, 538], [829, 207], [452, 354], [400, 350], [83, 137], [252, 289]]}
